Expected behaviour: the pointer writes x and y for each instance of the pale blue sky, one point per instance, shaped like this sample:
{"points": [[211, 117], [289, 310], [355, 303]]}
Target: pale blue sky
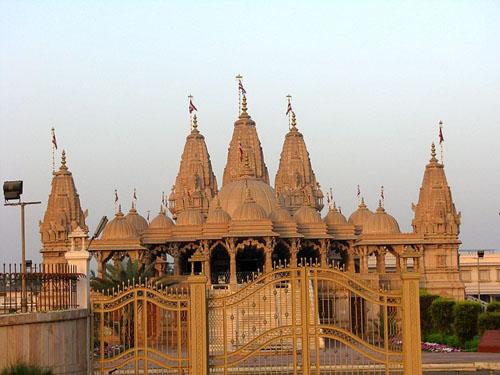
{"points": [[369, 80]]}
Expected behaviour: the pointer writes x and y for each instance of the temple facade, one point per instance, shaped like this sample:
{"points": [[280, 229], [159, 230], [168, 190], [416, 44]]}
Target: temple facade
{"points": [[248, 226]]}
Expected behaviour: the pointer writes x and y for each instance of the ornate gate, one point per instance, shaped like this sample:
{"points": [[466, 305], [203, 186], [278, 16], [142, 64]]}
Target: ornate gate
{"points": [[141, 329], [305, 320]]}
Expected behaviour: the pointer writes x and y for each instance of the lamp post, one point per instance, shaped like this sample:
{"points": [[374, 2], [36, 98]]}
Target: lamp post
{"points": [[480, 254], [12, 191]]}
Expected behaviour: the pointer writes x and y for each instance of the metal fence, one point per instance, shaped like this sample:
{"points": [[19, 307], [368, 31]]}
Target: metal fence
{"points": [[49, 287]]}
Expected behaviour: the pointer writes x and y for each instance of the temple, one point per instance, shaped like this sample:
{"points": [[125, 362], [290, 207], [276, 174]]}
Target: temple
{"points": [[247, 226]]}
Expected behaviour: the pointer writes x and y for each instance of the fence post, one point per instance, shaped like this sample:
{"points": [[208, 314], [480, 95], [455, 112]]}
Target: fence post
{"points": [[198, 340], [412, 350], [80, 259]]}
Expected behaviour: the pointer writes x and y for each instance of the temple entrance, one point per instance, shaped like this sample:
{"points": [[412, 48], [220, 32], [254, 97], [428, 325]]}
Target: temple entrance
{"points": [[281, 254], [307, 255], [249, 261], [219, 265]]}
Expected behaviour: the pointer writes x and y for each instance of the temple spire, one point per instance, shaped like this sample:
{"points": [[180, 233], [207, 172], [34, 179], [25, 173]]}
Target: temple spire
{"points": [[295, 180]]}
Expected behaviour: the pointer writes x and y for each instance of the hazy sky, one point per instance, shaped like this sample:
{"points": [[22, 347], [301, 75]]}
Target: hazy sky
{"points": [[370, 80]]}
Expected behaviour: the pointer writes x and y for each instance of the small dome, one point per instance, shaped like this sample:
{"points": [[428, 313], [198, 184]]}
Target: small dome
{"points": [[361, 215], [249, 210], [281, 215], [233, 195], [119, 229], [191, 216], [334, 217], [162, 221], [137, 221], [307, 215], [381, 223], [216, 215]]}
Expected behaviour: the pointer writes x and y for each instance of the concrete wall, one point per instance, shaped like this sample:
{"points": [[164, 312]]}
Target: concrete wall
{"points": [[57, 340]]}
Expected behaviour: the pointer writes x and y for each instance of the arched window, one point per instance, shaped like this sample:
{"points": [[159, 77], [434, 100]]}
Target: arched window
{"points": [[249, 260], [219, 265], [307, 254], [281, 254]]}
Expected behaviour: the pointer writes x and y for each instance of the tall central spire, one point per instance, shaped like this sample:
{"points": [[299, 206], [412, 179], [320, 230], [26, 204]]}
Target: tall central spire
{"points": [[245, 154]]}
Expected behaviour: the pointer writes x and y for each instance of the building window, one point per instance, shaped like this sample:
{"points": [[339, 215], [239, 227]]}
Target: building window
{"points": [[484, 275], [441, 260], [498, 274], [466, 276]]}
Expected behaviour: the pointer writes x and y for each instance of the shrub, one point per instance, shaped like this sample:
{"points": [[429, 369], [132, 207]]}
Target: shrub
{"points": [[471, 346], [488, 320], [435, 337], [493, 307], [441, 312], [24, 369], [465, 320], [426, 300]]}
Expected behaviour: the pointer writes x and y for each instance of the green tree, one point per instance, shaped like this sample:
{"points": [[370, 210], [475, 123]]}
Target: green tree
{"points": [[465, 320], [441, 311], [124, 272]]}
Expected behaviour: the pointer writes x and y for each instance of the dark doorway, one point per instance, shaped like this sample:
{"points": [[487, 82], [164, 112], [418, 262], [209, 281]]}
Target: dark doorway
{"points": [[219, 265], [307, 255], [249, 261], [185, 264], [280, 255]]}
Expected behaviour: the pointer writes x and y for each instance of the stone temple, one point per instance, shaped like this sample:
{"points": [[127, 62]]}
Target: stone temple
{"points": [[248, 226]]}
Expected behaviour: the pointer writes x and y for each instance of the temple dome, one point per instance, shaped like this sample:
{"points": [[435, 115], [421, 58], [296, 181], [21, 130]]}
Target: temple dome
{"points": [[162, 221], [119, 229], [137, 221], [216, 215], [361, 215], [281, 215], [250, 210], [233, 194], [381, 223], [191, 216], [334, 217], [307, 215]]}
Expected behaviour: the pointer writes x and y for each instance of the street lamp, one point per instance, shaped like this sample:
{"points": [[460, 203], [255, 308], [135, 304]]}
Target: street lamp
{"points": [[480, 254], [12, 190]]}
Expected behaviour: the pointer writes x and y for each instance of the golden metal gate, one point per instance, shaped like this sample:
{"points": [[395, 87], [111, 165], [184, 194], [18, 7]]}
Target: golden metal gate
{"points": [[305, 320], [141, 329]]}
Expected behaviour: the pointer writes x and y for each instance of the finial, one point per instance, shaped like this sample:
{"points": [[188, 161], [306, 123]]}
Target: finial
{"points": [[433, 152], [63, 160], [195, 122], [244, 107], [362, 204], [120, 209], [294, 121]]}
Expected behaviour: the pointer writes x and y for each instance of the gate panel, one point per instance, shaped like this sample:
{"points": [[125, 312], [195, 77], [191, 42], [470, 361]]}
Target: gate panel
{"points": [[141, 330]]}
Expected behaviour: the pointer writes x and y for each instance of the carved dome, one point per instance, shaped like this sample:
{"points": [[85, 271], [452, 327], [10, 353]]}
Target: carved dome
{"points": [[334, 217], [307, 215], [250, 210], [191, 216], [281, 215], [361, 215], [233, 195], [119, 229], [381, 223], [162, 221], [216, 215], [137, 221]]}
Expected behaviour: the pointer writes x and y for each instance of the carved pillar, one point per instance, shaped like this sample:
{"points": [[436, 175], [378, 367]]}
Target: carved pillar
{"points": [[380, 261], [350, 261], [232, 264], [294, 248], [322, 253], [363, 260], [177, 263]]}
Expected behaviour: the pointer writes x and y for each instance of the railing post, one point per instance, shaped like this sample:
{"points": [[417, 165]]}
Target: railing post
{"points": [[198, 330], [412, 356], [80, 259]]}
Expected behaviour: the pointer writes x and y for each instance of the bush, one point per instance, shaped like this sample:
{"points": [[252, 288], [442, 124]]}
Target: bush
{"points": [[465, 320], [493, 307], [488, 320], [426, 300], [471, 346], [24, 369], [441, 312]]}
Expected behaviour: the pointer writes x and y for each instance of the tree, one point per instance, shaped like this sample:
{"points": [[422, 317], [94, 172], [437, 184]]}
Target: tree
{"points": [[124, 272]]}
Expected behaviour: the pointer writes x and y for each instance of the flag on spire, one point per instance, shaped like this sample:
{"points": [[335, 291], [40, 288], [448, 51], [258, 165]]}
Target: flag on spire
{"points": [[54, 141], [289, 108], [135, 195], [192, 107], [441, 137], [116, 196], [241, 88], [358, 193]]}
